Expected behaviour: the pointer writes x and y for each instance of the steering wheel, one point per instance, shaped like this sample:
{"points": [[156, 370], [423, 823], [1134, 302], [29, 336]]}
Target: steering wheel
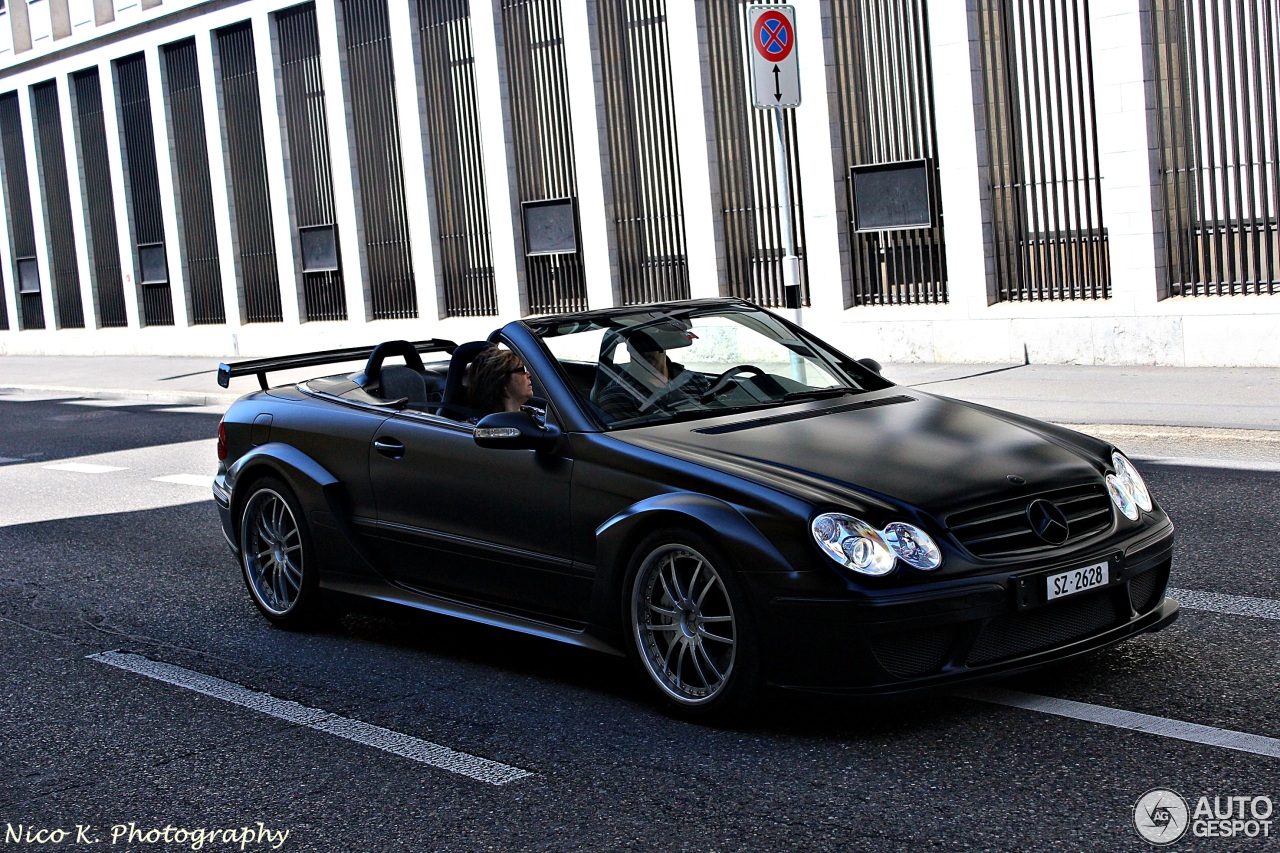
{"points": [[722, 381]]}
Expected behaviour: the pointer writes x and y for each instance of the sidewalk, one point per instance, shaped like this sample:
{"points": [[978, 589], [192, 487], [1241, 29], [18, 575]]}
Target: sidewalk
{"points": [[1203, 397]]}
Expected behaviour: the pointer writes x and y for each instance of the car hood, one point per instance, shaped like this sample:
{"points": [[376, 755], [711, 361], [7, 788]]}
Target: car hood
{"points": [[894, 447]]}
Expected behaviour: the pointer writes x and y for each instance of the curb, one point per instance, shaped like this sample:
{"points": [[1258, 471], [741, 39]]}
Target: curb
{"points": [[168, 398]]}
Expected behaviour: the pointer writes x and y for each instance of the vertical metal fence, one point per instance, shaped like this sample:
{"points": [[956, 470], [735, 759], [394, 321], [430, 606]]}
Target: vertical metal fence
{"points": [[542, 136], [1042, 147], [307, 128], [195, 194], [750, 207], [453, 129], [883, 82], [68, 309], [134, 103], [247, 162], [379, 161], [22, 233], [99, 199], [1217, 84], [644, 171]]}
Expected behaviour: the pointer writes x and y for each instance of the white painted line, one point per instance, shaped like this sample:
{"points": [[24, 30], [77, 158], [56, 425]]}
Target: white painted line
{"points": [[1232, 605], [82, 468], [1130, 720], [202, 480], [1202, 462], [406, 746], [5, 460]]}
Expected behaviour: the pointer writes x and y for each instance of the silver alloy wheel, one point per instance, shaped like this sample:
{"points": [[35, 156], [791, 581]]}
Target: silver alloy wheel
{"points": [[684, 624], [271, 547]]}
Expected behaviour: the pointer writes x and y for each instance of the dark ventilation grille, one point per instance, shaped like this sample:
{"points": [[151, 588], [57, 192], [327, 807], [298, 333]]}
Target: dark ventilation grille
{"points": [[99, 199], [1217, 82], [453, 128], [644, 165], [1042, 149], [1015, 634], [915, 654], [247, 162], [307, 128], [195, 195], [543, 140], [22, 234], [1003, 529], [1147, 589], [884, 97], [805, 415], [144, 188], [376, 135], [750, 208], [68, 310]]}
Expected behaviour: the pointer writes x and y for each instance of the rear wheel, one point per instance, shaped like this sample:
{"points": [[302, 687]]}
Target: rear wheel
{"points": [[274, 555], [689, 626]]}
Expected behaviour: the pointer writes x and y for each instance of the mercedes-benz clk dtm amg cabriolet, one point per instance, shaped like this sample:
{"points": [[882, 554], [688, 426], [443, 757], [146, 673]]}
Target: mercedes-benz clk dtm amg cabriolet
{"points": [[702, 486]]}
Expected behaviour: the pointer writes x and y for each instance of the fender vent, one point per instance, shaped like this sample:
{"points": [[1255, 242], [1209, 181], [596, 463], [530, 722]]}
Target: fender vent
{"points": [[801, 416]]}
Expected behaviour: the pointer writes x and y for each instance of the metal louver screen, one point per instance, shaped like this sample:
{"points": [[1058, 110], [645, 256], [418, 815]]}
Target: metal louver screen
{"points": [[453, 127], [99, 200], [648, 201], [195, 195], [1217, 70], [307, 130], [376, 135], [17, 192], [750, 207], [543, 139], [68, 310], [247, 162], [1042, 146], [144, 186], [884, 94]]}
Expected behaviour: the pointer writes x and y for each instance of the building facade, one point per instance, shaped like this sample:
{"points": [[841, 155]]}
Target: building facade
{"points": [[1056, 181]]}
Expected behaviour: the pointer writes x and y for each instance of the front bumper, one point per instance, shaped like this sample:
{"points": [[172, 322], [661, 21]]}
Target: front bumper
{"points": [[938, 638]]}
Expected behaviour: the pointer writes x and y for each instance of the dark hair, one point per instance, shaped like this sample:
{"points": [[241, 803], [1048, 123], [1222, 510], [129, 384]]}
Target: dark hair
{"points": [[487, 378]]}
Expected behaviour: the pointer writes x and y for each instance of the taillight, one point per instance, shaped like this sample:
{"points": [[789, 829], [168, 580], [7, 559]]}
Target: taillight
{"points": [[222, 441]]}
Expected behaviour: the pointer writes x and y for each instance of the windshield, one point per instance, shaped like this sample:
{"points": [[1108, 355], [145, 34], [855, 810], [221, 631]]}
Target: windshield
{"points": [[664, 364]]}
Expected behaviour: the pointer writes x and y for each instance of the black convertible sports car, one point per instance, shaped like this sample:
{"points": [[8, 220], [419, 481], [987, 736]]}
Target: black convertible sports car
{"points": [[702, 486]]}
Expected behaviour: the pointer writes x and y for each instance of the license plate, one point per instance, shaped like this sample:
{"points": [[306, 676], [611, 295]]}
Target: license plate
{"points": [[1077, 580]]}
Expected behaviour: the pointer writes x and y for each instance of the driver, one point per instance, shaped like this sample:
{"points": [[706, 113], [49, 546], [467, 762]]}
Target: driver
{"points": [[651, 380]]}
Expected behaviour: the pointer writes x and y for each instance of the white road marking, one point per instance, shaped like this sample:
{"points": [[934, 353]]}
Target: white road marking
{"points": [[472, 766], [1201, 462], [5, 460], [82, 468], [1232, 605], [1130, 720], [203, 480]]}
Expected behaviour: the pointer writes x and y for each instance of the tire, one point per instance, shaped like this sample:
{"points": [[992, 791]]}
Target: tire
{"points": [[276, 557], [689, 627]]}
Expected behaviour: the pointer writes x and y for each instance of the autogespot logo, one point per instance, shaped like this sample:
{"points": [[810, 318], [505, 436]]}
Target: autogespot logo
{"points": [[1160, 816]]}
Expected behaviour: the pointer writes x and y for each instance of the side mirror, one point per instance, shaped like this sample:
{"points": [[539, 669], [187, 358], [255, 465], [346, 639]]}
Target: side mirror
{"points": [[515, 431], [870, 364]]}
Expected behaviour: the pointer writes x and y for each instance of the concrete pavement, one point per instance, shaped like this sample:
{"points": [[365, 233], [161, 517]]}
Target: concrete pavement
{"points": [[1204, 398]]}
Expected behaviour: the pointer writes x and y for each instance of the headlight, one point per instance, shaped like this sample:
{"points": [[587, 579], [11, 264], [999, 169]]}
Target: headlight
{"points": [[853, 543], [1126, 488]]}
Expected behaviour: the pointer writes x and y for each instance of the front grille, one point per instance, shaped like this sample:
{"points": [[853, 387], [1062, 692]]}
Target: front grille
{"points": [[1003, 530], [1147, 589], [1017, 634], [914, 654]]}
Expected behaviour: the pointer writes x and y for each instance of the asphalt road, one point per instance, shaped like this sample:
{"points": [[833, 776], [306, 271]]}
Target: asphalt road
{"points": [[131, 561]]}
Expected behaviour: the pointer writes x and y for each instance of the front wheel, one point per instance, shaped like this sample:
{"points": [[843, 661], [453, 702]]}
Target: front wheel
{"points": [[274, 546], [689, 626]]}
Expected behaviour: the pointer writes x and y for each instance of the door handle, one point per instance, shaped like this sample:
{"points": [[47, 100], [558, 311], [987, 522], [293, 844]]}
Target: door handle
{"points": [[389, 447]]}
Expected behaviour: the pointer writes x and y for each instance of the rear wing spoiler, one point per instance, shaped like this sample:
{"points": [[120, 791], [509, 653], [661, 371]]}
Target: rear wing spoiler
{"points": [[262, 366]]}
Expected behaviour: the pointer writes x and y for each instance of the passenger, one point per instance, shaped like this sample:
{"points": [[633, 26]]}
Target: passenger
{"points": [[498, 381]]}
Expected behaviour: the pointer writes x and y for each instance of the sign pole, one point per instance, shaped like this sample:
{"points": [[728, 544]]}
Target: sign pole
{"points": [[790, 262]]}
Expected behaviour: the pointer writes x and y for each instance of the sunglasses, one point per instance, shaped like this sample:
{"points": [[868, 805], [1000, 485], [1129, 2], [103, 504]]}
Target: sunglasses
{"points": [[520, 369]]}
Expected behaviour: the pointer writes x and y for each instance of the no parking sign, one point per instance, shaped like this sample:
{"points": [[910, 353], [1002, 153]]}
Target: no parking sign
{"points": [[775, 62]]}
